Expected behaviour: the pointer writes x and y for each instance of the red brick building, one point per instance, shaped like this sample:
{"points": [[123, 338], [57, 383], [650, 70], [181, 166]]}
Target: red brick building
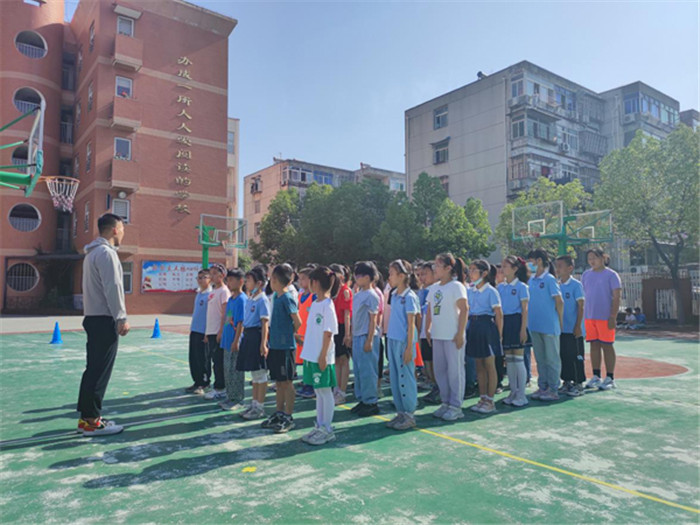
{"points": [[136, 98]]}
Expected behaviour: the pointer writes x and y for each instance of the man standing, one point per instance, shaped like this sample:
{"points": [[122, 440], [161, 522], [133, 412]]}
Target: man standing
{"points": [[105, 321]]}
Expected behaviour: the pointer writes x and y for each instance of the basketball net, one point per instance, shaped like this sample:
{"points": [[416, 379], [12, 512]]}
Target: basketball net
{"points": [[62, 191]]}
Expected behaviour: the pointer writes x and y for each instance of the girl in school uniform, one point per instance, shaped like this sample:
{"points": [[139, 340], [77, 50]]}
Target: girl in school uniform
{"points": [[485, 331], [253, 348], [365, 342], [400, 344], [319, 353], [306, 299], [446, 321], [343, 346], [514, 300], [544, 322]]}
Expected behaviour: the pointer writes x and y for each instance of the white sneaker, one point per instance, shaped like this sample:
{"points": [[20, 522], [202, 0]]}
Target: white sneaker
{"points": [[215, 394], [397, 419], [407, 421], [256, 412], [305, 438], [509, 399], [477, 407], [520, 401], [453, 414], [440, 412], [102, 428], [339, 398], [321, 437], [538, 393], [607, 384], [230, 405], [594, 382]]}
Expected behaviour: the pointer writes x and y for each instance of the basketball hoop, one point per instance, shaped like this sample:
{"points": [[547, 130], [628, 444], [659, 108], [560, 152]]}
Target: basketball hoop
{"points": [[229, 247], [62, 190]]}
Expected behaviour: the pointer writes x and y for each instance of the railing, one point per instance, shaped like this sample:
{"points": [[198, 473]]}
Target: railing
{"points": [[63, 240], [25, 106], [67, 132], [68, 79], [19, 161], [30, 50], [24, 224], [666, 305]]}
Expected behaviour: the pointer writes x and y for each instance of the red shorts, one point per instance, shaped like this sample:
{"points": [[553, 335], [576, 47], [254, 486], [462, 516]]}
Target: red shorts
{"points": [[597, 330]]}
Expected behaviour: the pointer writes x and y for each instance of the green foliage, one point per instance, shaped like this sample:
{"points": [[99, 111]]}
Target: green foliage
{"points": [[572, 194], [278, 230], [428, 195]]}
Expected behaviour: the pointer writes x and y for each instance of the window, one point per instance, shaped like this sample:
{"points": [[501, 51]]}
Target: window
{"points": [[76, 166], [516, 86], [322, 177], [540, 129], [22, 277], [441, 152], [632, 104], [24, 218], [27, 99], [88, 157], [125, 26], [124, 87], [31, 44], [75, 225], [86, 217], [128, 272], [77, 115], [65, 168], [122, 208], [440, 117], [92, 36], [397, 185], [518, 127], [90, 97], [122, 148], [231, 142], [256, 206], [35, 3], [570, 137]]}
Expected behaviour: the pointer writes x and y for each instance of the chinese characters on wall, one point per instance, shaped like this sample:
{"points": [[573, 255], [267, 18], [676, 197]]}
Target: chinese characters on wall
{"points": [[183, 154]]}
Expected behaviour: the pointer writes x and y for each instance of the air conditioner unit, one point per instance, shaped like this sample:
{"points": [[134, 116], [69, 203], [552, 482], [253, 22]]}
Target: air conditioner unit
{"points": [[629, 118], [564, 147]]}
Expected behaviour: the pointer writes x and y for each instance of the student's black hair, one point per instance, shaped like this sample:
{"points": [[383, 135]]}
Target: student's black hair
{"points": [[628, 310], [539, 253], [235, 272], [327, 278], [485, 266], [339, 269], [218, 267], [256, 274], [637, 309], [307, 269], [264, 268], [203, 271], [457, 264], [366, 268], [521, 271], [284, 273], [600, 253], [108, 221], [404, 267], [567, 259], [428, 265], [379, 278]]}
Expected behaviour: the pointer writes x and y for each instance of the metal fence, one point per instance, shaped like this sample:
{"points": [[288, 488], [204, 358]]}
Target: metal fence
{"points": [[666, 304]]}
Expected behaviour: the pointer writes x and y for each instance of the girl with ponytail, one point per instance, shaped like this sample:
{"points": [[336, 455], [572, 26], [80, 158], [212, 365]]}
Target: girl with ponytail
{"points": [[515, 297], [485, 331], [446, 321]]}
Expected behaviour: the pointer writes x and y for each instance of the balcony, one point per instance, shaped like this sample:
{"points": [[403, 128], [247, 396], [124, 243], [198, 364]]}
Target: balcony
{"points": [[66, 133], [126, 114], [125, 175], [128, 52]]}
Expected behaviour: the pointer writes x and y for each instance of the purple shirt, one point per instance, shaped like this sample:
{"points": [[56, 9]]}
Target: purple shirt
{"points": [[598, 288]]}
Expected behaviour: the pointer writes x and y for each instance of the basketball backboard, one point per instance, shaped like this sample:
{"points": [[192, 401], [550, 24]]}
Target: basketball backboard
{"points": [[538, 220]]}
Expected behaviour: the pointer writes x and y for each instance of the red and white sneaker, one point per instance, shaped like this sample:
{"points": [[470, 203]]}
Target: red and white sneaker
{"points": [[81, 426], [101, 428]]}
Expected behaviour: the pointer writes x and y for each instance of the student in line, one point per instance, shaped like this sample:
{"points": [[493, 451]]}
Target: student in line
{"points": [[544, 322], [400, 344], [571, 344], [515, 297], [254, 349], [343, 308], [602, 287], [319, 353], [198, 339], [216, 315], [445, 328], [485, 331], [231, 338]]}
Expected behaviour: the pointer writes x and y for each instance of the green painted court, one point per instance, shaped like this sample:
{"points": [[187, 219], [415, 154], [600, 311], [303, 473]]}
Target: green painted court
{"points": [[630, 455]]}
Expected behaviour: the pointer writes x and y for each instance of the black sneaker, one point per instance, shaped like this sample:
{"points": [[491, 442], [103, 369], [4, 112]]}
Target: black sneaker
{"points": [[284, 424], [191, 389], [357, 408], [368, 410], [272, 421], [432, 397], [471, 392]]}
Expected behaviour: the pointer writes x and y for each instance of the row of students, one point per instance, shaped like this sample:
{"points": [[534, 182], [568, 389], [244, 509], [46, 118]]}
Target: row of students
{"points": [[452, 319]]}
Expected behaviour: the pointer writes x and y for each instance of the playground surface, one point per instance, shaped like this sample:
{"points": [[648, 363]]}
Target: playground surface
{"points": [[628, 456]]}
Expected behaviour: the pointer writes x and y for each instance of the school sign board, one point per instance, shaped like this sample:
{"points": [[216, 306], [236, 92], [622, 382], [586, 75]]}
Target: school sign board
{"points": [[169, 276]]}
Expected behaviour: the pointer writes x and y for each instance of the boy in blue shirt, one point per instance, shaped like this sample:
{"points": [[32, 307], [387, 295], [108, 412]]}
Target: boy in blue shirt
{"points": [[281, 358], [571, 339], [197, 355], [231, 338]]}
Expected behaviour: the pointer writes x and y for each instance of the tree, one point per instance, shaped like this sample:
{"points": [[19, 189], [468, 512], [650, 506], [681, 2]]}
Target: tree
{"points": [[428, 194], [478, 217], [652, 188], [400, 235], [572, 194], [279, 230], [316, 222], [452, 231]]}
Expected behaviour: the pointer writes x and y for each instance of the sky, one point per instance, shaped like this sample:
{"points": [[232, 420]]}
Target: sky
{"points": [[329, 82]]}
